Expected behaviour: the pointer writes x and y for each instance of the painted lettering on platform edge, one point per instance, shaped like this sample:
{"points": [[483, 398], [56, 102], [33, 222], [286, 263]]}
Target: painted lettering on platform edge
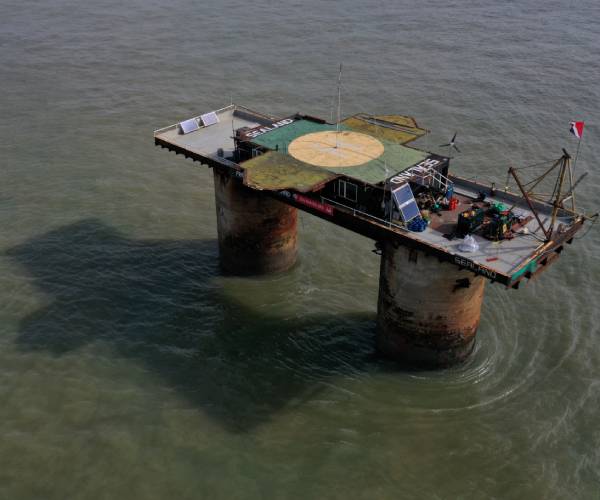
{"points": [[317, 205], [466, 263], [263, 130]]}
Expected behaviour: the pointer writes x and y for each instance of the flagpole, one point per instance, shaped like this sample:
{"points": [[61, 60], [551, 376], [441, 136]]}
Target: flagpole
{"points": [[571, 169], [339, 107], [577, 153], [571, 179]]}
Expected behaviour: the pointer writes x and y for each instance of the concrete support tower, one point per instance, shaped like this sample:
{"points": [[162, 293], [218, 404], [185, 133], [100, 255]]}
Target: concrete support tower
{"points": [[428, 311], [257, 234]]}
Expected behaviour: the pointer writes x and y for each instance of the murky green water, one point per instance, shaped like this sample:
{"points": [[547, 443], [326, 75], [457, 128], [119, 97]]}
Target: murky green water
{"points": [[131, 369]]}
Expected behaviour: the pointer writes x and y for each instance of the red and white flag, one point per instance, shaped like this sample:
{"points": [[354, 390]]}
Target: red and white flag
{"points": [[577, 129]]}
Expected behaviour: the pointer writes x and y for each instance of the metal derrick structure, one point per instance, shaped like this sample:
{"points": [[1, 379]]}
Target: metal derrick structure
{"points": [[556, 199]]}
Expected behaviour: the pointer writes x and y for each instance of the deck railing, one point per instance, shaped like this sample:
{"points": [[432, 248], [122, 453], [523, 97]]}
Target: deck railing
{"points": [[366, 215]]}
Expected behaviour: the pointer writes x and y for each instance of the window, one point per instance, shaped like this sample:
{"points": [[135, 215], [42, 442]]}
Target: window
{"points": [[347, 190]]}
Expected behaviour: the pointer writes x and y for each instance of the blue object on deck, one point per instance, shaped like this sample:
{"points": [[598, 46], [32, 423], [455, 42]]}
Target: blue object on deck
{"points": [[417, 225]]}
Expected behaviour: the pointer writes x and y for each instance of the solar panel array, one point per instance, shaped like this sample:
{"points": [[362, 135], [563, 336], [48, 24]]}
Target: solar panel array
{"points": [[405, 201]]}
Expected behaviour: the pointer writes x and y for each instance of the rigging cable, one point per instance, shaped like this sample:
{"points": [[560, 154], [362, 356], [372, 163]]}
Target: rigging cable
{"points": [[595, 217]]}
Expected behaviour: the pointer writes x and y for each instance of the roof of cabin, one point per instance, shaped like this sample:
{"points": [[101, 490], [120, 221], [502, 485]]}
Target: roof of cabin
{"points": [[279, 168]]}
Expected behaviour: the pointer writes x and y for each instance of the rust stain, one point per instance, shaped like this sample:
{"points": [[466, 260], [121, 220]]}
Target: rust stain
{"points": [[257, 234], [422, 319]]}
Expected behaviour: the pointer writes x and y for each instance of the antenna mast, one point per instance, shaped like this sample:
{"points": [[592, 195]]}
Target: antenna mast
{"points": [[339, 109]]}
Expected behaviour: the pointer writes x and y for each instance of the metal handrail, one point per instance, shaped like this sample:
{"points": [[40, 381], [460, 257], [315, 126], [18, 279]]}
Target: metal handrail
{"points": [[217, 111], [436, 177], [364, 214]]}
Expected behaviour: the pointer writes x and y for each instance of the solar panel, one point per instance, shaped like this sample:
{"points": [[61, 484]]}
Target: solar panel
{"points": [[209, 118], [405, 201], [410, 211], [188, 126]]}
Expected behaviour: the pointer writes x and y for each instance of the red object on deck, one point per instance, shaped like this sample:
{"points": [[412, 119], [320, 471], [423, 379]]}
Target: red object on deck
{"points": [[453, 204]]}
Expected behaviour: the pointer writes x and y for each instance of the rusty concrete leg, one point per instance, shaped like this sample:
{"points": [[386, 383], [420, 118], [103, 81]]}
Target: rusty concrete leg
{"points": [[257, 234], [428, 311]]}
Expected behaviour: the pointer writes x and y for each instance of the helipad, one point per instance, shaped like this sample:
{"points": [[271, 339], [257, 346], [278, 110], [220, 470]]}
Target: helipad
{"points": [[336, 149]]}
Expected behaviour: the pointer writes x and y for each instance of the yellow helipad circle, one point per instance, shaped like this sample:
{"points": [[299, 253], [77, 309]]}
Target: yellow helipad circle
{"points": [[335, 149]]}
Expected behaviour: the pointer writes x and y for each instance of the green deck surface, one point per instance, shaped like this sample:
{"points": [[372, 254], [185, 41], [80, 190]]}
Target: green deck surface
{"points": [[276, 171], [394, 159], [283, 136], [405, 131], [284, 171]]}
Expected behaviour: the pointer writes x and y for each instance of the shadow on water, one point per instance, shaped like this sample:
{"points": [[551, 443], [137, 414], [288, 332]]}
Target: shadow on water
{"points": [[158, 303]]}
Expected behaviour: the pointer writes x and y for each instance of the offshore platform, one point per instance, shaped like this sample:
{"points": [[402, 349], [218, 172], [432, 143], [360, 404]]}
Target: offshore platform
{"points": [[440, 237]]}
